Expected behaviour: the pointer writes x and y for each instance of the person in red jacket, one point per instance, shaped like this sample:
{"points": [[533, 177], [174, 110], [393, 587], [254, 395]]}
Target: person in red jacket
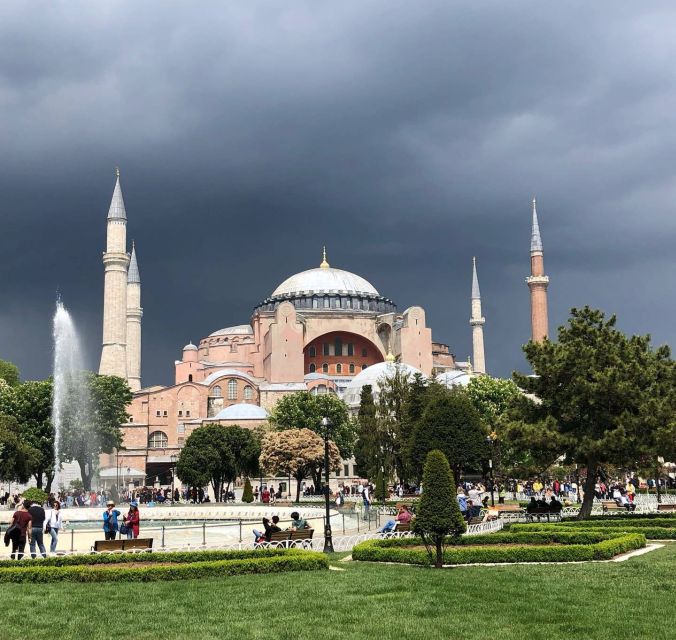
{"points": [[132, 520]]}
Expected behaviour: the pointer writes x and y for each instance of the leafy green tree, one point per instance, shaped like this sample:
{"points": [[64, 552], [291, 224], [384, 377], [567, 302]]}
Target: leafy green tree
{"points": [[438, 514], [419, 391], [247, 494], [31, 404], [491, 397], [9, 372], [245, 446], [35, 495], [17, 458], [95, 429], [366, 447], [302, 410], [451, 424], [596, 389], [207, 457]]}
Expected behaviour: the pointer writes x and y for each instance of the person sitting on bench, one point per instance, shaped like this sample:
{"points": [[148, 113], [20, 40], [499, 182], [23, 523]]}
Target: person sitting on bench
{"points": [[297, 522], [404, 516], [259, 536], [532, 506], [554, 505]]}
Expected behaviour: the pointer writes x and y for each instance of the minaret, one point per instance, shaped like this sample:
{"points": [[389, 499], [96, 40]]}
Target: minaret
{"points": [[537, 283], [134, 315], [115, 262], [477, 323]]}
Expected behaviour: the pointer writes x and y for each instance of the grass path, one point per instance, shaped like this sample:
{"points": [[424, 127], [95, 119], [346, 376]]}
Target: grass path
{"points": [[633, 599]]}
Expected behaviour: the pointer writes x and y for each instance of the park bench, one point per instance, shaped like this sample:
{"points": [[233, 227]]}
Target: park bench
{"points": [[400, 527], [666, 507], [124, 544], [542, 513], [611, 505], [289, 539], [475, 520]]}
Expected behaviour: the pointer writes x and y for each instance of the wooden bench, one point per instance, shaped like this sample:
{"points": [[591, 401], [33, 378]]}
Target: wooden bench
{"points": [[124, 544], [541, 513], [289, 539], [402, 526], [475, 520], [611, 505], [666, 507], [506, 508]]}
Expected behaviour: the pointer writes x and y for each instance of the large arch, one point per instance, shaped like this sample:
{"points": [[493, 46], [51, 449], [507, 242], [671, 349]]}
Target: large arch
{"points": [[340, 353]]}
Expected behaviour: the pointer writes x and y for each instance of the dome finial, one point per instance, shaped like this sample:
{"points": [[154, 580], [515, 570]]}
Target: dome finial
{"points": [[390, 356], [324, 264], [117, 172]]}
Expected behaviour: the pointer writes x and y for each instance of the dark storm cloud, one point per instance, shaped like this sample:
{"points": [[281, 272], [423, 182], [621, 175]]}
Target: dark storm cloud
{"points": [[406, 137]]}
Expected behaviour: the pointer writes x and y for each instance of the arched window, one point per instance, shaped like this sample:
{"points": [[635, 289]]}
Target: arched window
{"points": [[313, 367], [363, 367], [248, 393], [232, 389], [312, 351], [216, 392], [158, 440], [325, 368], [326, 302], [338, 346], [339, 368], [351, 367], [190, 377], [321, 389]]}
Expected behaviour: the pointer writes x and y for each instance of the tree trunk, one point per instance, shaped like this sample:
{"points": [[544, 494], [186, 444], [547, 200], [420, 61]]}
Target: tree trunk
{"points": [[657, 482], [298, 481], [317, 479], [38, 478], [585, 509], [86, 477], [440, 554], [50, 479]]}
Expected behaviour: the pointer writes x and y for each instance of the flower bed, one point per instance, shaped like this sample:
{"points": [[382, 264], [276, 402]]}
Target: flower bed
{"points": [[161, 566], [549, 546]]}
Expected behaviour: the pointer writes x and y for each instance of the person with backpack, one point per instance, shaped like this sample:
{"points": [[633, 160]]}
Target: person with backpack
{"points": [[19, 530], [110, 524]]}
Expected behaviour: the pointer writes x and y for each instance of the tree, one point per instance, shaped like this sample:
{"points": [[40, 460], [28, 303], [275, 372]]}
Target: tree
{"points": [[451, 424], [365, 449], [247, 494], [438, 514], [245, 446], [302, 410], [31, 404], [17, 459], [9, 372], [597, 391], [296, 452], [207, 458], [94, 428]]}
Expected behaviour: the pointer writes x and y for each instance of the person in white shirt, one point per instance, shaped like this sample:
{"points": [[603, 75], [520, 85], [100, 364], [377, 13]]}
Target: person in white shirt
{"points": [[54, 524]]}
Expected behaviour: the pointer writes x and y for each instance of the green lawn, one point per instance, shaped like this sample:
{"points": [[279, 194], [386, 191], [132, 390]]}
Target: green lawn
{"points": [[632, 599]]}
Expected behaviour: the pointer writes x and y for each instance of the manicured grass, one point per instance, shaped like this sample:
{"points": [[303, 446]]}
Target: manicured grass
{"points": [[632, 599]]}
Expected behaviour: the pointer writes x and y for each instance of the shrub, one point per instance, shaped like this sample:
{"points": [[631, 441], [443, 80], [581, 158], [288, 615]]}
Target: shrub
{"points": [[35, 495], [300, 561], [247, 495], [650, 532], [438, 512]]}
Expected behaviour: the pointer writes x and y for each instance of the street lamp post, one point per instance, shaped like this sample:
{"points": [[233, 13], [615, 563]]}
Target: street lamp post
{"points": [[328, 538], [491, 441], [173, 459]]}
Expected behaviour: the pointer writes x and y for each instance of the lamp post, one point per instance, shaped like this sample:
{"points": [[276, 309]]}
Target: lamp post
{"points": [[173, 459], [328, 539], [491, 441]]}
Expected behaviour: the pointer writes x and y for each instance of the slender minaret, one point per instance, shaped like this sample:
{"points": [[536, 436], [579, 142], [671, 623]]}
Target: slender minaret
{"points": [[134, 315], [115, 262], [477, 323], [537, 283]]}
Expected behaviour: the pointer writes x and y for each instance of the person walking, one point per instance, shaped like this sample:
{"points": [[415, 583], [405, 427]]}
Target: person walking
{"points": [[132, 520], [110, 524], [54, 525], [22, 521], [38, 518]]}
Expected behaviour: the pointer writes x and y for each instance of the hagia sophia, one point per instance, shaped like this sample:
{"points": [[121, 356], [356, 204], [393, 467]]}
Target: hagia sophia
{"points": [[324, 330]]}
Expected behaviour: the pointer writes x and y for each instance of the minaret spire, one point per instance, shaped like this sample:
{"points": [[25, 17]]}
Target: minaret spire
{"points": [[537, 283], [134, 315], [324, 264], [477, 322]]}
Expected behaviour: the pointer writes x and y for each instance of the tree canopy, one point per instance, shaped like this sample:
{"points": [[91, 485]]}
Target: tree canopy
{"points": [[9, 372], [17, 458]]}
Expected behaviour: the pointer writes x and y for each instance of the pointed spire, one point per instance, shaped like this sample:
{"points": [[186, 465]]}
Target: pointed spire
{"points": [[535, 240], [324, 264], [117, 203], [476, 294], [132, 274], [390, 356]]}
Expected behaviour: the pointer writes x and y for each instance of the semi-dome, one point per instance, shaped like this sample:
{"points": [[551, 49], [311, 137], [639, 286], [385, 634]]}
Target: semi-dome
{"points": [[190, 347], [374, 375], [238, 330], [242, 411], [453, 378], [325, 280]]}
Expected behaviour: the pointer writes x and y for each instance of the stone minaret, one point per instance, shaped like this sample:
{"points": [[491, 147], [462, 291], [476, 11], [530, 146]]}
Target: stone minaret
{"points": [[537, 283], [477, 323], [134, 315], [115, 262]]}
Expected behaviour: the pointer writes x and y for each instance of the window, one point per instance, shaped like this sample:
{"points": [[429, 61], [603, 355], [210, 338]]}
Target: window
{"points": [[321, 389], [181, 442], [313, 367], [181, 428], [325, 368], [190, 377], [165, 413], [232, 389], [158, 440], [346, 469], [339, 368], [248, 392], [314, 303], [187, 414], [216, 392], [312, 351], [363, 367], [364, 353], [351, 367], [338, 348], [326, 302], [348, 303], [350, 349], [325, 349], [158, 413], [180, 414]]}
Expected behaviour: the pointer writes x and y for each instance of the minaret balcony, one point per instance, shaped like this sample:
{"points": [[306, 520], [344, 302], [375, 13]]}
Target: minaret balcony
{"points": [[477, 322], [537, 280]]}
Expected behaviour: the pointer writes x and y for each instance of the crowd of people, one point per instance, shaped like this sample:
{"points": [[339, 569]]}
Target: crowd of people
{"points": [[30, 523], [297, 524]]}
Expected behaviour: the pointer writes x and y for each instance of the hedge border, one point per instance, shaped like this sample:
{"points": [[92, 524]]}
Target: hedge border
{"points": [[398, 550], [651, 533], [300, 561]]}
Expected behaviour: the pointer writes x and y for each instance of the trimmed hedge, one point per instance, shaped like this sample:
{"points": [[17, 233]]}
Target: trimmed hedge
{"points": [[297, 561], [664, 516], [399, 550], [652, 533]]}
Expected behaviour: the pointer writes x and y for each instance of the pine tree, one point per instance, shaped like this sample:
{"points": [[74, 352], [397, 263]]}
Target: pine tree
{"points": [[247, 494], [438, 513], [366, 447]]}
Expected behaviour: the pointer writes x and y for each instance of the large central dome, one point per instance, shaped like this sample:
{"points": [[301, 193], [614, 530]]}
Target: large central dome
{"points": [[325, 280]]}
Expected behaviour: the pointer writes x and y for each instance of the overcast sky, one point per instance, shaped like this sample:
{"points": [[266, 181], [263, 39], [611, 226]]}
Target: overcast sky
{"points": [[407, 137]]}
